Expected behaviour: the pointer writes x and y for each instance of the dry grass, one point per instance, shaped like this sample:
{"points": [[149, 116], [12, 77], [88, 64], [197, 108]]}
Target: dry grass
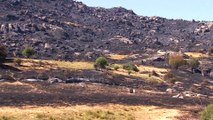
{"points": [[117, 56], [36, 64], [84, 112], [196, 54]]}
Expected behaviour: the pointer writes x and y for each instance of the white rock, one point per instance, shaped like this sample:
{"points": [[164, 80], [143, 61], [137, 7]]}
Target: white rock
{"points": [[170, 90]]}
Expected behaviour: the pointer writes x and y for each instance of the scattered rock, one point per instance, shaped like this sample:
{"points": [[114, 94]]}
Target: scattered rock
{"points": [[54, 80], [170, 91], [33, 80], [180, 96]]}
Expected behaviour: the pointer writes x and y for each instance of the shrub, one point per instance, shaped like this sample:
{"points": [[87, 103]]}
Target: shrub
{"points": [[193, 63], [207, 113], [176, 60], [115, 67], [130, 66], [3, 53], [100, 62], [28, 51], [18, 61]]}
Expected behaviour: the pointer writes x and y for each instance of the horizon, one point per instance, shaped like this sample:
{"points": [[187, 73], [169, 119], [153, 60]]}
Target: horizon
{"points": [[187, 10]]}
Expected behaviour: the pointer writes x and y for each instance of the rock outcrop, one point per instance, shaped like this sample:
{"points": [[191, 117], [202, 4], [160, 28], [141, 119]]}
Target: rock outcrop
{"points": [[59, 29]]}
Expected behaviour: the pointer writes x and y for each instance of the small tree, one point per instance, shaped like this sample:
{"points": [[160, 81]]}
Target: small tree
{"points": [[130, 66], [193, 64], [28, 51], [101, 62], [176, 60], [3, 53]]}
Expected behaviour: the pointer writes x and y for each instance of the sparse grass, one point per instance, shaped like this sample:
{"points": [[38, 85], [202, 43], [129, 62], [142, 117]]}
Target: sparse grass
{"points": [[117, 56], [84, 112], [196, 54]]}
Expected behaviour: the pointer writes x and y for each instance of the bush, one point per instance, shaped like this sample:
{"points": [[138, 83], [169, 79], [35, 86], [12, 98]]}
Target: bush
{"points": [[130, 66], [3, 53], [176, 60], [193, 63], [28, 51], [115, 67], [101, 62], [207, 113]]}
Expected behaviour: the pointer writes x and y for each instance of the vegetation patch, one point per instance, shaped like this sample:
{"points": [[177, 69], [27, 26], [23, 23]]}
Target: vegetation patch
{"points": [[28, 51], [130, 66], [100, 62], [207, 113], [176, 60]]}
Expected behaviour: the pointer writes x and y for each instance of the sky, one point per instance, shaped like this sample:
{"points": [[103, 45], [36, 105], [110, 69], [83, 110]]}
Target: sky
{"points": [[173, 9]]}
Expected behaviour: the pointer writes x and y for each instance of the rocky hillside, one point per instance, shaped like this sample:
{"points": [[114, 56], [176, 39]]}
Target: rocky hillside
{"points": [[66, 29]]}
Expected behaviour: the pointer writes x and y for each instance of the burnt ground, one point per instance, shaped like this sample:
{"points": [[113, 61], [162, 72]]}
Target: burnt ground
{"points": [[44, 94], [70, 30], [100, 88]]}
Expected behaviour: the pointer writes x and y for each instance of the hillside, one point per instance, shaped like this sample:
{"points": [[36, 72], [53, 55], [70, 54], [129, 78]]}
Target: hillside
{"points": [[63, 60], [71, 30]]}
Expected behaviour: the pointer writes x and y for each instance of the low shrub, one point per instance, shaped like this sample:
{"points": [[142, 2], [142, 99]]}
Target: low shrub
{"points": [[28, 51], [115, 67], [101, 62], [176, 60], [130, 66], [207, 113], [193, 63]]}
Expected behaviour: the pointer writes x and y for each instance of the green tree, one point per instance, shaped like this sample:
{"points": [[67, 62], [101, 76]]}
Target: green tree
{"points": [[101, 62], [28, 51], [130, 66]]}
